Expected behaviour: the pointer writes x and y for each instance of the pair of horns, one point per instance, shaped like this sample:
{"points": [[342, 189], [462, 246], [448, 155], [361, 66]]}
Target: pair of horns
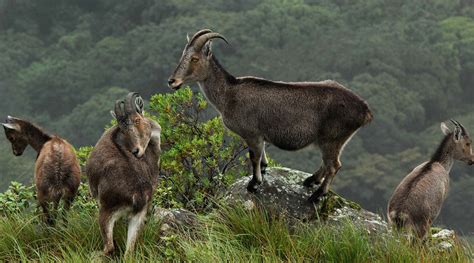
{"points": [[459, 126], [132, 103], [202, 36], [11, 124]]}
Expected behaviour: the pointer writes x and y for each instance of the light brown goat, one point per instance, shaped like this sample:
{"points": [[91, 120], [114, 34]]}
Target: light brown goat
{"points": [[123, 170], [289, 115], [57, 170], [418, 199]]}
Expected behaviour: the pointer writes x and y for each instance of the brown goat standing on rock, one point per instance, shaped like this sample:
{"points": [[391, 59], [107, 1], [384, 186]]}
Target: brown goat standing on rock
{"points": [[123, 170], [418, 199], [57, 170], [289, 115]]}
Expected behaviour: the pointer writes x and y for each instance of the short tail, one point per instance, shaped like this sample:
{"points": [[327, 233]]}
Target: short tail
{"points": [[397, 219], [368, 117]]}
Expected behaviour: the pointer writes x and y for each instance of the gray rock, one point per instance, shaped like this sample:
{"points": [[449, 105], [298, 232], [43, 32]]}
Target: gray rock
{"points": [[175, 219]]}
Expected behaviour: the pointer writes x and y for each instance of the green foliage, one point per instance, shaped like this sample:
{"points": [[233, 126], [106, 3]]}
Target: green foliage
{"points": [[16, 199], [199, 157], [83, 154]]}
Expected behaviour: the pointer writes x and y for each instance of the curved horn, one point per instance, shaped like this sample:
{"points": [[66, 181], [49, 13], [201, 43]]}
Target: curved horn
{"points": [[139, 104], [199, 43], [455, 123], [198, 34], [133, 103], [460, 126]]}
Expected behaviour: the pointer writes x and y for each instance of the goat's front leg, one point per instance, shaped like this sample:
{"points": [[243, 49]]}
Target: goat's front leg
{"points": [[264, 161], [255, 152], [134, 227], [106, 224]]}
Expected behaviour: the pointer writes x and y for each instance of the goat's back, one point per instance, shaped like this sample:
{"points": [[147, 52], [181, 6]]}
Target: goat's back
{"points": [[420, 195], [57, 170], [291, 115], [119, 179]]}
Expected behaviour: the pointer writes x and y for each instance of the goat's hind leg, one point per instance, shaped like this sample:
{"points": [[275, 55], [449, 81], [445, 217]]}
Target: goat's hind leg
{"points": [[331, 153], [255, 152], [316, 178], [47, 217], [67, 206]]}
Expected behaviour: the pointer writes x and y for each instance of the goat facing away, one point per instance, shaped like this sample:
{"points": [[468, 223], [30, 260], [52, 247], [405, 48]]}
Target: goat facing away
{"points": [[288, 115], [123, 170], [418, 199], [57, 171]]}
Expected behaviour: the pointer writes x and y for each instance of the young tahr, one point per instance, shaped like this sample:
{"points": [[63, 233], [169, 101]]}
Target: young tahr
{"points": [[57, 170], [418, 199]]}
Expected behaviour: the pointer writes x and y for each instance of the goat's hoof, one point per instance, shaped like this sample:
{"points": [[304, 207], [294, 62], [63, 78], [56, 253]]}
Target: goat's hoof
{"points": [[310, 182], [109, 252], [316, 197], [253, 186]]}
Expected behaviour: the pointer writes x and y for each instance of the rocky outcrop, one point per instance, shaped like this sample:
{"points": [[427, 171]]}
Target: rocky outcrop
{"points": [[282, 192]]}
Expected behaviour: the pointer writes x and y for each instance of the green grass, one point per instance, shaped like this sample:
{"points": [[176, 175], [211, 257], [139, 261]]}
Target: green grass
{"points": [[232, 234]]}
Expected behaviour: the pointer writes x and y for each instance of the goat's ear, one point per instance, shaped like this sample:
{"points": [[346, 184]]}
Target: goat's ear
{"points": [[113, 114], [207, 48], [445, 129], [11, 126]]}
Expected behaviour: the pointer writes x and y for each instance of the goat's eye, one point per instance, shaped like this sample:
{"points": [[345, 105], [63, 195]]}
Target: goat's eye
{"points": [[194, 60]]}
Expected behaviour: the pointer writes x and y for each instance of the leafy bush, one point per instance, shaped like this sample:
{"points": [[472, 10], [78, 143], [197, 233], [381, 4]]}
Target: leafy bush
{"points": [[200, 157], [83, 154], [16, 199]]}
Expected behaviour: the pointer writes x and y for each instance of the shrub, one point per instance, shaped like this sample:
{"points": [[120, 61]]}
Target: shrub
{"points": [[200, 157], [16, 199]]}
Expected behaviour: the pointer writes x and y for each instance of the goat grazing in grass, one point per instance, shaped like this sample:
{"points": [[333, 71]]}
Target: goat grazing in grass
{"points": [[417, 200], [289, 115], [57, 170], [123, 170]]}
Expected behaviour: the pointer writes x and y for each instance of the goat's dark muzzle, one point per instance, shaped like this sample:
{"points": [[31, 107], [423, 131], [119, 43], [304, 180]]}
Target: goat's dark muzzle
{"points": [[174, 83], [136, 152]]}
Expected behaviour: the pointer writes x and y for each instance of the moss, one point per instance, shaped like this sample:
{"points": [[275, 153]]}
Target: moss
{"points": [[333, 201]]}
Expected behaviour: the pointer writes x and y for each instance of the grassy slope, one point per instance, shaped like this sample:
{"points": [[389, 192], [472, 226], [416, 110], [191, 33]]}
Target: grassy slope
{"points": [[233, 234]]}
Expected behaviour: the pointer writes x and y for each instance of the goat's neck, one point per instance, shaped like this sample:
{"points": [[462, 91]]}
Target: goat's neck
{"points": [[35, 136], [444, 153], [216, 84]]}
